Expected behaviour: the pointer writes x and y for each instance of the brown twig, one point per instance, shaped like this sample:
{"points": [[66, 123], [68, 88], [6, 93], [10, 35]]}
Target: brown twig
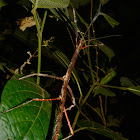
{"points": [[64, 91]]}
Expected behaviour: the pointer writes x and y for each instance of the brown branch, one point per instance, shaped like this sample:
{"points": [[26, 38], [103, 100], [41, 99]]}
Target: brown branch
{"points": [[64, 91]]}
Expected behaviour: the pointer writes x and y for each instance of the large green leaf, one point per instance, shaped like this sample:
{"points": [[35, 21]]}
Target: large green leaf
{"points": [[100, 129], [30, 121], [50, 3]]}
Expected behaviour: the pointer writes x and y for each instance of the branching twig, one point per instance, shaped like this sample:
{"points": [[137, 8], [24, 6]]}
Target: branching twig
{"points": [[28, 60]]}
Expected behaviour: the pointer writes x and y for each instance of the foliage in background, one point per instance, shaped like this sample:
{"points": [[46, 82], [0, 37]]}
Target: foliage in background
{"points": [[92, 79]]}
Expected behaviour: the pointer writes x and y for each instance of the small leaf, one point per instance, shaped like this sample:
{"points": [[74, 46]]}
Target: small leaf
{"points": [[130, 85], [78, 3], [110, 20], [135, 90], [126, 82], [107, 51], [24, 3], [104, 1], [30, 121], [108, 77], [2, 66], [103, 91], [2, 3], [100, 129], [112, 121]]}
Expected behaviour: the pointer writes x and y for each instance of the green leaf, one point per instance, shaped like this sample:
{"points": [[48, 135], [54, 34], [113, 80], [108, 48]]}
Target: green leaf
{"points": [[126, 82], [135, 90], [107, 51], [104, 2], [2, 3], [104, 91], [50, 3], [78, 3], [108, 77], [2, 66], [112, 121], [100, 129], [25, 3], [110, 20], [30, 121]]}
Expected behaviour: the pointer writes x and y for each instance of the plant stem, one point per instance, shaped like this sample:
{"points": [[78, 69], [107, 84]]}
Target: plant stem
{"points": [[89, 59], [81, 105], [97, 66], [115, 87], [43, 22], [39, 46], [102, 111], [91, 17], [40, 28], [105, 105], [39, 59]]}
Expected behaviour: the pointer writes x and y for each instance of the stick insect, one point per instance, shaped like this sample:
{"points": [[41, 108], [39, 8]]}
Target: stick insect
{"points": [[65, 86]]}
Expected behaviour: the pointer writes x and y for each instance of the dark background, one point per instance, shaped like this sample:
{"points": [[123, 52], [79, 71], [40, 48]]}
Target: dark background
{"points": [[126, 47]]}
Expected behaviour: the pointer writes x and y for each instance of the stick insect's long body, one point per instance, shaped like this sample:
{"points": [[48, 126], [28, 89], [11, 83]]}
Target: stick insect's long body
{"points": [[64, 91]]}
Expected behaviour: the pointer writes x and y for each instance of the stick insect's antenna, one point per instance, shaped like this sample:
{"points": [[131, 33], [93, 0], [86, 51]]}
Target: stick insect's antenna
{"points": [[75, 24]]}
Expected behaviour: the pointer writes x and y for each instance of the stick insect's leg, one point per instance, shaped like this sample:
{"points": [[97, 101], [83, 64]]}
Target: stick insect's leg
{"points": [[35, 99], [72, 97], [39, 74], [17, 106], [75, 24], [72, 133], [73, 101], [54, 99]]}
